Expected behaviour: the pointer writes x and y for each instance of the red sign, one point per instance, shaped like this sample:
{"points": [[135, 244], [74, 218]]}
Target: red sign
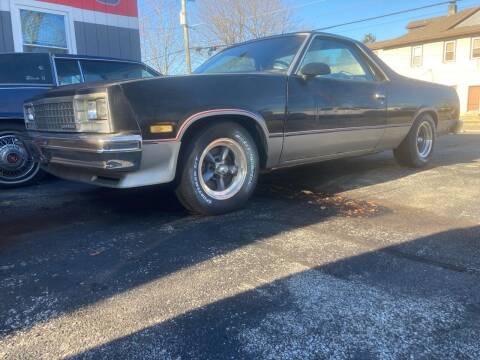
{"points": [[117, 7]]}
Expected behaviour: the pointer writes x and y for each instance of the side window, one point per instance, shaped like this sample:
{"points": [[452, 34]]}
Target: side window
{"points": [[68, 72], [25, 69], [343, 59], [95, 70]]}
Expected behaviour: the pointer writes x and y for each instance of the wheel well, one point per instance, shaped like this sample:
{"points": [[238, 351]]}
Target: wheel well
{"points": [[12, 124], [433, 114], [246, 122]]}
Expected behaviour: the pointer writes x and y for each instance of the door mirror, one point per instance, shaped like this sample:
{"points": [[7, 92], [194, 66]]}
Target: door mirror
{"points": [[315, 69]]}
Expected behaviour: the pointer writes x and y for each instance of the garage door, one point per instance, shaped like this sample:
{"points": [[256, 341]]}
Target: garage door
{"points": [[474, 98]]}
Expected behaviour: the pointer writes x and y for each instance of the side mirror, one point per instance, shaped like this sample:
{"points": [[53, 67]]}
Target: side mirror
{"points": [[315, 69]]}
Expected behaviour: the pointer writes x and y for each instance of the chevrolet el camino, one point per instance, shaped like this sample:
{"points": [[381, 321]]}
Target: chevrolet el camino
{"points": [[265, 104]]}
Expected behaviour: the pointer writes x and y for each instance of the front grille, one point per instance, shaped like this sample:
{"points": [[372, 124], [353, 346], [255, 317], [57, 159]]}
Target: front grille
{"points": [[55, 116]]}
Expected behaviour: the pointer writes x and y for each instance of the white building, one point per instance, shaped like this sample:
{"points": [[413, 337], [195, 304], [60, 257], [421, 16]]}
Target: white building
{"points": [[445, 50]]}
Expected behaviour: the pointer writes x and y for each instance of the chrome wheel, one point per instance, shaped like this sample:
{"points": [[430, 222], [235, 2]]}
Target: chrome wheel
{"points": [[16, 165], [222, 169], [425, 134]]}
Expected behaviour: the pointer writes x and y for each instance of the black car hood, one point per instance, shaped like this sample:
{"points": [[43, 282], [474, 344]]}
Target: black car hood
{"points": [[83, 88]]}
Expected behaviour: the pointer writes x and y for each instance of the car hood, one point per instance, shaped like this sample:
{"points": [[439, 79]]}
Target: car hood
{"points": [[83, 88], [193, 80]]}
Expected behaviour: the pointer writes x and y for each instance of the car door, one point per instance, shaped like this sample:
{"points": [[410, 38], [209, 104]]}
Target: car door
{"points": [[342, 112]]}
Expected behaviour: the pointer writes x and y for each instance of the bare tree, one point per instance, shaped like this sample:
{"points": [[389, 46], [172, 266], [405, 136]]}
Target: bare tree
{"points": [[232, 21], [369, 38], [161, 37]]}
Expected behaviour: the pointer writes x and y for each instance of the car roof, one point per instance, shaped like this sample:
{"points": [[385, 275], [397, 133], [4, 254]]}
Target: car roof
{"points": [[90, 57], [308, 33], [83, 57], [72, 56]]}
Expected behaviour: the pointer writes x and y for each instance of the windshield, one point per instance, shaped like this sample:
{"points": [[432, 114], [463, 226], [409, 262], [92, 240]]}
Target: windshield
{"points": [[274, 55], [25, 69]]}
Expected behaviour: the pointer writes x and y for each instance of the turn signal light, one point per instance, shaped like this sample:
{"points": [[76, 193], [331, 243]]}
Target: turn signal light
{"points": [[161, 128]]}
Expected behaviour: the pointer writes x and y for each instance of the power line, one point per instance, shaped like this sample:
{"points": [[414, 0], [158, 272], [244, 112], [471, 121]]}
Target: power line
{"points": [[363, 20], [198, 48], [384, 15]]}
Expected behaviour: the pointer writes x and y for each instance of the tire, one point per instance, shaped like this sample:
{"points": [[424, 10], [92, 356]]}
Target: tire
{"points": [[17, 167], [220, 151], [417, 148]]}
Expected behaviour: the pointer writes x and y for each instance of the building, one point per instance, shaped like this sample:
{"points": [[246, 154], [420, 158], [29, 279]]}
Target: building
{"points": [[444, 50], [89, 27]]}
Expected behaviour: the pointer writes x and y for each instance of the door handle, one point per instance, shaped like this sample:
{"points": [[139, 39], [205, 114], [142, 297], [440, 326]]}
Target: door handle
{"points": [[379, 96]]}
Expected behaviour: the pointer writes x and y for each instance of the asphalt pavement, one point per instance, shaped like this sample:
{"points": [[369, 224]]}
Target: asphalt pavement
{"points": [[347, 259]]}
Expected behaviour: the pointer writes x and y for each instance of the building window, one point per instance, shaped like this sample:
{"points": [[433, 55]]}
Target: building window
{"points": [[475, 48], [417, 56], [42, 28], [43, 32], [449, 51]]}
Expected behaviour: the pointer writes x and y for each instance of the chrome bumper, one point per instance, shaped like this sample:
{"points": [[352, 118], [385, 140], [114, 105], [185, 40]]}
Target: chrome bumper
{"points": [[107, 153], [117, 161]]}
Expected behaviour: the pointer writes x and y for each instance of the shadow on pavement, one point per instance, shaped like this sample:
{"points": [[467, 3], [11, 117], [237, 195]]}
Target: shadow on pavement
{"points": [[69, 246], [79, 251], [390, 303]]}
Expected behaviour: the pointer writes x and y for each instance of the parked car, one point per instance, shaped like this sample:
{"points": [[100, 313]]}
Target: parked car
{"points": [[23, 76], [265, 104]]}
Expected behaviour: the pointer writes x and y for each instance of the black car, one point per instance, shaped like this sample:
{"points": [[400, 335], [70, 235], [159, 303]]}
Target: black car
{"points": [[23, 76], [265, 104]]}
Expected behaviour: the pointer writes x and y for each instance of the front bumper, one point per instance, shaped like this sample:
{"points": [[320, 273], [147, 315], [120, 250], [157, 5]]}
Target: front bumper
{"points": [[104, 153], [118, 161]]}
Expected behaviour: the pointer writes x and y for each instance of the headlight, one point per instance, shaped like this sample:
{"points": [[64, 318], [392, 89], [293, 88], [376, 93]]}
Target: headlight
{"points": [[97, 109], [91, 112], [29, 116]]}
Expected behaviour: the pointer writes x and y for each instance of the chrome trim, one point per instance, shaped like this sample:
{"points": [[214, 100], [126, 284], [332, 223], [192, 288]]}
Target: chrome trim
{"points": [[87, 151], [322, 35], [102, 165], [96, 59], [214, 112], [157, 165], [353, 128], [28, 86], [95, 151], [300, 61], [53, 68], [216, 171], [373, 62], [92, 143], [298, 54], [82, 76], [274, 135], [102, 126], [424, 139]]}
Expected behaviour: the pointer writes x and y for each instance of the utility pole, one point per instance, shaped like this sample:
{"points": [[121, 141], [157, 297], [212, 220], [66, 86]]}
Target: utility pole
{"points": [[186, 42]]}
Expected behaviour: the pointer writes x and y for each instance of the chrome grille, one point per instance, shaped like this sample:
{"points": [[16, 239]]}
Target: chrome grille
{"points": [[56, 116]]}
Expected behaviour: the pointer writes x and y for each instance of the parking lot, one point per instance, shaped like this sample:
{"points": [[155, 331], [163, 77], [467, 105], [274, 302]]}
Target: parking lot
{"points": [[348, 259]]}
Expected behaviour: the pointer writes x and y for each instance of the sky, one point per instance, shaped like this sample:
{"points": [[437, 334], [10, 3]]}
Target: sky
{"points": [[314, 14], [331, 12]]}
